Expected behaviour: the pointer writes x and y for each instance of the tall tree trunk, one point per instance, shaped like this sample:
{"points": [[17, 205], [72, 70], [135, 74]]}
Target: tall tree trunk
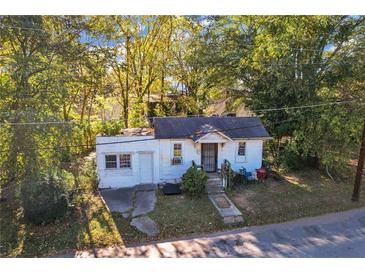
{"points": [[126, 94]]}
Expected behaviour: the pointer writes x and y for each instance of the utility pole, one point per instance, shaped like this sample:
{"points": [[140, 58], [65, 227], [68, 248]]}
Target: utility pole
{"points": [[360, 167]]}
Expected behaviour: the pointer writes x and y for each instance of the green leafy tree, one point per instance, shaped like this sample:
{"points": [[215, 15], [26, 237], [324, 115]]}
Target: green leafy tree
{"points": [[285, 61]]}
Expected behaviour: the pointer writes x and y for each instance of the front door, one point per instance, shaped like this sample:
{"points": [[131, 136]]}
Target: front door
{"points": [[209, 157], [146, 168]]}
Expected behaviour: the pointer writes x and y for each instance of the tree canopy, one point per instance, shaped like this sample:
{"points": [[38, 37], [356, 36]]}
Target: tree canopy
{"points": [[63, 79]]}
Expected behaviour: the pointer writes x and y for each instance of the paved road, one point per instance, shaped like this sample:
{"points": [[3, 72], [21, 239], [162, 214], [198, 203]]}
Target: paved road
{"points": [[333, 235]]}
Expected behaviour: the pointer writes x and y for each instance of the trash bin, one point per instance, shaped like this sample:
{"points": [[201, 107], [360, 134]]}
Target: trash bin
{"points": [[261, 174]]}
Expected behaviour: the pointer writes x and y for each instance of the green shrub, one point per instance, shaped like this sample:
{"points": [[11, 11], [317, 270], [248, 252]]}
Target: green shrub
{"points": [[193, 182], [47, 198], [112, 127], [289, 159], [88, 178]]}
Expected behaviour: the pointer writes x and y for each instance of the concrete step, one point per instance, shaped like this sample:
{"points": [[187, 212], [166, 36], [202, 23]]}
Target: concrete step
{"points": [[233, 219], [226, 208], [214, 187], [213, 175], [215, 183], [214, 190], [214, 180]]}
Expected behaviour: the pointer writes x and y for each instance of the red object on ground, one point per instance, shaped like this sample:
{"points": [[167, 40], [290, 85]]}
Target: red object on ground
{"points": [[261, 174]]}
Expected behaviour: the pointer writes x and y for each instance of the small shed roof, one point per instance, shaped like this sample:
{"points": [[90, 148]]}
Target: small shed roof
{"points": [[193, 127]]}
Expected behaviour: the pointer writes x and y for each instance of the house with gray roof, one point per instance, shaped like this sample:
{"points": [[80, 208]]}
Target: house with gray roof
{"points": [[163, 152]]}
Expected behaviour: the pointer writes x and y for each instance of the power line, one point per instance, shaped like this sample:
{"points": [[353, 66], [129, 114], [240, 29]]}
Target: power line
{"points": [[188, 135], [40, 123], [306, 106], [152, 138], [151, 117]]}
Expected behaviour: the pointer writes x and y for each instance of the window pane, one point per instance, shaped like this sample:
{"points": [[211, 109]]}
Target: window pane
{"points": [[177, 150], [111, 161], [177, 155], [242, 149], [125, 160]]}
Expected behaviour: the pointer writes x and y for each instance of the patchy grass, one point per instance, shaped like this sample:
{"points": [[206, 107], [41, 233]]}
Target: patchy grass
{"points": [[176, 216], [180, 216], [90, 225], [297, 194]]}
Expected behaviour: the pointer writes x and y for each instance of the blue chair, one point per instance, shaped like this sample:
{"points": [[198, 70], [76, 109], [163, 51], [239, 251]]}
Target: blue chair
{"points": [[246, 175]]}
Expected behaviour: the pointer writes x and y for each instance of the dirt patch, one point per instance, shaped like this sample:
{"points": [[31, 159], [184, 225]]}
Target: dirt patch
{"points": [[243, 199]]}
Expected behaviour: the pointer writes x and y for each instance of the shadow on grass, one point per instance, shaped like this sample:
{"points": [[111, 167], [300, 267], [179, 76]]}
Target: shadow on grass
{"points": [[176, 216], [19, 239], [308, 192], [12, 231], [89, 226]]}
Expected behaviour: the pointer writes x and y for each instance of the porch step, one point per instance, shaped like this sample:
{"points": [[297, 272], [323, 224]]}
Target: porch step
{"points": [[214, 190], [214, 180], [214, 186], [213, 176]]}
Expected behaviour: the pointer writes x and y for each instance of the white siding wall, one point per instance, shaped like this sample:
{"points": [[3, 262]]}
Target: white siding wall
{"points": [[125, 177], [162, 151], [190, 152], [251, 161]]}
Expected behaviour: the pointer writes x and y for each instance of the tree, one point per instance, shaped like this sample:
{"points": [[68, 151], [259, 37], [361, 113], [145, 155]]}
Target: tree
{"points": [[33, 52], [284, 61]]}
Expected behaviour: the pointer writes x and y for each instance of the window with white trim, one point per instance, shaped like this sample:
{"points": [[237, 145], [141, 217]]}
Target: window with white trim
{"points": [[177, 154], [111, 161], [241, 149], [125, 160]]}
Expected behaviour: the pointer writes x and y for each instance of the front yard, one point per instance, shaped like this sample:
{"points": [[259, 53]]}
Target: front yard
{"points": [[91, 225], [176, 216], [303, 193]]}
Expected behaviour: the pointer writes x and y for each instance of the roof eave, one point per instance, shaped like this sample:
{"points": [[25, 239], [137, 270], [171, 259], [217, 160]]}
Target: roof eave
{"points": [[266, 138]]}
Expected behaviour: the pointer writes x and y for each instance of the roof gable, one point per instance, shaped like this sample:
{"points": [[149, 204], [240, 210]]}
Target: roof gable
{"points": [[196, 127], [208, 133], [213, 137]]}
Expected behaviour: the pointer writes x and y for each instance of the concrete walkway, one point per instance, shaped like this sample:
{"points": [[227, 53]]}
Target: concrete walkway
{"points": [[134, 203], [333, 235], [220, 200]]}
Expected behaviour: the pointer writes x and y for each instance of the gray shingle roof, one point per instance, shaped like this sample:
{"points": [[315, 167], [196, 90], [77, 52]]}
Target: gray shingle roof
{"points": [[192, 127]]}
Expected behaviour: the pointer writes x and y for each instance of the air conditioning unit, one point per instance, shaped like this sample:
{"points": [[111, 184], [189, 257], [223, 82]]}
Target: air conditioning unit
{"points": [[176, 161]]}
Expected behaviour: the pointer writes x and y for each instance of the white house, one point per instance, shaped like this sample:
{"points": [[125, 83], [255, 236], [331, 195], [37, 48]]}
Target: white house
{"points": [[164, 152]]}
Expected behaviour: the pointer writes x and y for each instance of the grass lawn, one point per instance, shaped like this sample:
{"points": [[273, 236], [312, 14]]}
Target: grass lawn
{"points": [[303, 193], [176, 216], [298, 194], [90, 225]]}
